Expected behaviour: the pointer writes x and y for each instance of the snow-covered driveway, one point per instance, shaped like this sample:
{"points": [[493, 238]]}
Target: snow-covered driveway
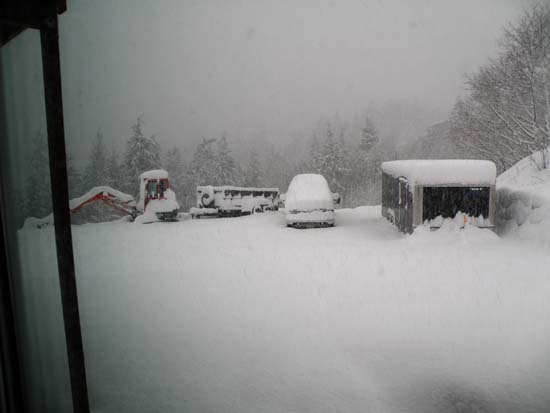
{"points": [[246, 315]]}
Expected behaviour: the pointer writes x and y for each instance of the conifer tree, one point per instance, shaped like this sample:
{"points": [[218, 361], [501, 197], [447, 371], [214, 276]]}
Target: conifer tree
{"points": [[277, 170], [226, 167], [94, 174], [369, 136], [75, 179], [142, 154], [203, 165], [37, 201], [113, 171], [253, 172], [176, 169]]}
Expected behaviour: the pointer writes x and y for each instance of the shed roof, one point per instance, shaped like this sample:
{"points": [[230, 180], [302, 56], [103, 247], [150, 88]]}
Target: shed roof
{"points": [[443, 171]]}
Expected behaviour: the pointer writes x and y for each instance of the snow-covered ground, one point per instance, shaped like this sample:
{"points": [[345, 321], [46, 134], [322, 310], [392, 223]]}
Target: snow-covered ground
{"points": [[246, 315], [523, 200]]}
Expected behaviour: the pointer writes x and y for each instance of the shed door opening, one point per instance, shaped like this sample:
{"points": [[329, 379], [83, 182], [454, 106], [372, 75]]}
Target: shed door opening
{"points": [[447, 201]]}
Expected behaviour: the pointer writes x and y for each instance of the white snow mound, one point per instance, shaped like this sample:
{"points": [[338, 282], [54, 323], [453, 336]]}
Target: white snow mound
{"points": [[523, 200], [154, 174], [443, 171], [125, 198], [244, 315]]}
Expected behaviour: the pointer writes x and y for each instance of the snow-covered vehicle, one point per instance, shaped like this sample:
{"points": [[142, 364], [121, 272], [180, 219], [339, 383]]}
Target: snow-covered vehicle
{"points": [[309, 203], [416, 192], [224, 201], [156, 199], [120, 201]]}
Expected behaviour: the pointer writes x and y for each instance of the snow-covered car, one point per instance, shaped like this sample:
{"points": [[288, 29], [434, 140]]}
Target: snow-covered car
{"points": [[309, 203]]}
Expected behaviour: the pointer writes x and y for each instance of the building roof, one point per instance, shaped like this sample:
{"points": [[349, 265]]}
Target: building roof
{"points": [[443, 171]]}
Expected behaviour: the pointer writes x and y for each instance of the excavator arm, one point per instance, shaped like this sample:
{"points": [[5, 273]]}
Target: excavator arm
{"points": [[120, 201]]}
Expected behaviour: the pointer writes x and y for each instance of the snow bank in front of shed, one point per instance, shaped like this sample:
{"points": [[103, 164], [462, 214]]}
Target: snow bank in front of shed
{"points": [[523, 200], [443, 171], [460, 220]]}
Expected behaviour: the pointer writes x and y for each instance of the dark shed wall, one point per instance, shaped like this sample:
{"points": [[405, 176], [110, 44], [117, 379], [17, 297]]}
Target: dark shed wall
{"points": [[397, 195], [390, 191]]}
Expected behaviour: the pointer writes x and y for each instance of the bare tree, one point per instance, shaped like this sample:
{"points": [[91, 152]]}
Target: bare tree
{"points": [[507, 113]]}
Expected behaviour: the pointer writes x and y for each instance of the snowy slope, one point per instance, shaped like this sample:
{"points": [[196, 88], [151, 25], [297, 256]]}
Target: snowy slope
{"points": [[523, 200], [246, 315], [527, 175]]}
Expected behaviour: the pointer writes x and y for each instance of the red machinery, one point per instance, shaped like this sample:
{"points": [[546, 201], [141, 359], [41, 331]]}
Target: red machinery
{"points": [[118, 200]]}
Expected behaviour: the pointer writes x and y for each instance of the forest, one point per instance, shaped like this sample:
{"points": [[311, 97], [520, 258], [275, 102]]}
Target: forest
{"points": [[503, 115]]}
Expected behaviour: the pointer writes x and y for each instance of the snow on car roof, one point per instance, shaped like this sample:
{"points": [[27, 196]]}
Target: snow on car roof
{"points": [[443, 171], [154, 174], [308, 192]]}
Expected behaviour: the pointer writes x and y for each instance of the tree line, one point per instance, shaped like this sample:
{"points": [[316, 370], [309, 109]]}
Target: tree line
{"points": [[505, 115], [346, 166]]}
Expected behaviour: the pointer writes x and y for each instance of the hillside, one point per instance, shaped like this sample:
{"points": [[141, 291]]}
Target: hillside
{"points": [[523, 199]]}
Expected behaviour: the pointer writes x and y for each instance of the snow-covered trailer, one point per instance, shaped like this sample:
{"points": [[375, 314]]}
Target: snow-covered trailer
{"points": [[424, 191], [228, 200]]}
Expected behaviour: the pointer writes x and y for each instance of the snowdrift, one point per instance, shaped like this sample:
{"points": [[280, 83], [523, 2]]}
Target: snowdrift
{"points": [[245, 315], [523, 200], [442, 171]]}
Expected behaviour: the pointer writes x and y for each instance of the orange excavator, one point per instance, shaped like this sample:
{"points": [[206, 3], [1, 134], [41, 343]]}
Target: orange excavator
{"points": [[120, 201], [157, 201]]}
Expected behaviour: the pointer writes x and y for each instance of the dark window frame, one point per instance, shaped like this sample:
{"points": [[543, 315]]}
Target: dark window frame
{"points": [[15, 17]]}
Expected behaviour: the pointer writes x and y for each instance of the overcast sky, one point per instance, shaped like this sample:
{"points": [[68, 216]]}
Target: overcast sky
{"points": [[263, 70]]}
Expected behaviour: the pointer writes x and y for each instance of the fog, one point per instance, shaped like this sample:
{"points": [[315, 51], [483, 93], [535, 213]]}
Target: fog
{"points": [[265, 72]]}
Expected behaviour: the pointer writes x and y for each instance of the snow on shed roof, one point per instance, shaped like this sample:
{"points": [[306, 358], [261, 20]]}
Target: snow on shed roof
{"points": [[443, 171], [154, 174]]}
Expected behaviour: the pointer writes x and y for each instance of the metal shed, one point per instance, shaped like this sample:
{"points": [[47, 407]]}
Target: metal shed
{"points": [[420, 191]]}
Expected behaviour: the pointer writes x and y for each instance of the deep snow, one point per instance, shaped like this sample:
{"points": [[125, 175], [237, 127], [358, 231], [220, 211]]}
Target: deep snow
{"points": [[523, 201], [442, 171], [246, 315]]}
